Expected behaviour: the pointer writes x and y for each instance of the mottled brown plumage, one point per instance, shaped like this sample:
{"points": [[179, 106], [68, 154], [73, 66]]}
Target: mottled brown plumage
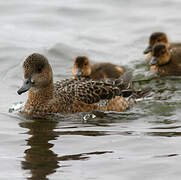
{"points": [[159, 37], [165, 61], [97, 71], [70, 95]]}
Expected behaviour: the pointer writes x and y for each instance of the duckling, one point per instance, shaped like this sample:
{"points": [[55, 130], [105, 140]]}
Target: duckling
{"points": [[97, 71], [46, 98], [158, 37], [165, 61]]}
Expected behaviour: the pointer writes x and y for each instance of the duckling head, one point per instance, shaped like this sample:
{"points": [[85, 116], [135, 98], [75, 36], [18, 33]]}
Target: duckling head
{"points": [[156, 37], [37, 73], [81, 67], [161, 54]]}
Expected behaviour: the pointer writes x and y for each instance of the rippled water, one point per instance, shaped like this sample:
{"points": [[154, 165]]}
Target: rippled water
{"points": [[141, 143]]}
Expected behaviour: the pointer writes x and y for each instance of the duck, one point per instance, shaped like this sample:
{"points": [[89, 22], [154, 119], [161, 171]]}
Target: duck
{"points": [[159, 37], [165, 61], [97, 71], [73, 95]]}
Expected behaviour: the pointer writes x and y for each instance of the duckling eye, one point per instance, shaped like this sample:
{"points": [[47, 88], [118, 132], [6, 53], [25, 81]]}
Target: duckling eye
{"points": [[85, 64]]}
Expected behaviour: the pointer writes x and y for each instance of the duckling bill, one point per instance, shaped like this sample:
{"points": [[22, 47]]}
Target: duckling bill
{"points": [[70, 95]]}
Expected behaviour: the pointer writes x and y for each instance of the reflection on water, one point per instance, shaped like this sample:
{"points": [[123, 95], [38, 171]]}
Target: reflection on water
{"points": [[168, 155], [82, 156], [41, 161], [165, 134], [39, 158]]}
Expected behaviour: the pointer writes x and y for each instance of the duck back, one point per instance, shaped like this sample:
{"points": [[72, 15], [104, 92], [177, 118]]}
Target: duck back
{"points": [[175, 45], [106, 70]]}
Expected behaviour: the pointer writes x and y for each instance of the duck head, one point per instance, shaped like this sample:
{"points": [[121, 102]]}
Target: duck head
{"points": [[161, 54], [156, 37], [37, 73], [81, 67]]}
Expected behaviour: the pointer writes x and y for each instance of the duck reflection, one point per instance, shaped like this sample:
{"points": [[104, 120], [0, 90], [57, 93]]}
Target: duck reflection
{"points": [[39, 159]]}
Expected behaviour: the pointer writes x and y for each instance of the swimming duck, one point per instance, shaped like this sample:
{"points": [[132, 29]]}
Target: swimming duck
{"points": [[165, 61], [159, 37], [97, 71], [70, 95]]}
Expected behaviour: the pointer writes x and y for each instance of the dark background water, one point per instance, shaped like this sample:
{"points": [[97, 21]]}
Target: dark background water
{"points": [[142, 143]]}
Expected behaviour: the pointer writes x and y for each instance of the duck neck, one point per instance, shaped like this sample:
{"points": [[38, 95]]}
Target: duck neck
{"points": [[40, 95], [165, 64]]}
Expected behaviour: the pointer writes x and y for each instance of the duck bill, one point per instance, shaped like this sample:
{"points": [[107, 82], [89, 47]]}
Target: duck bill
{"points": [[148, 49], [154, 61], [27, 84], [78, 72]]}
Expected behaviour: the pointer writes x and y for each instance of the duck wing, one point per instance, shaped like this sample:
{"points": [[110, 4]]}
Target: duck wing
{"points": [[89, 91]]}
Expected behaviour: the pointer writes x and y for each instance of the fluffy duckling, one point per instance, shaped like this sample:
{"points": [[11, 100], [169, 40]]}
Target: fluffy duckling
{"points": [[71, 95], [165, 61], [97, 71], [159, 37]]}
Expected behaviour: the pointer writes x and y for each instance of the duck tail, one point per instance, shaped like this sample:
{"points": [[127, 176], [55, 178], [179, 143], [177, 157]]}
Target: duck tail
{"points": [[125, 81]]}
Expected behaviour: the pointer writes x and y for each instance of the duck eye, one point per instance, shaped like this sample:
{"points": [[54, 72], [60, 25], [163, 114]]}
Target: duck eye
{"points": [[85, 64]]}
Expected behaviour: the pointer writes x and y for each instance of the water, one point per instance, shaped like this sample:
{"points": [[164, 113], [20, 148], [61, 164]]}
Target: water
{"points": [[142, 143]]}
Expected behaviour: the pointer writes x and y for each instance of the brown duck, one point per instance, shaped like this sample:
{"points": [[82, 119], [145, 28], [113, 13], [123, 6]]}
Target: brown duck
{"points": [[71, 95], [165, 61], [159, 37], [97, 71]]}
